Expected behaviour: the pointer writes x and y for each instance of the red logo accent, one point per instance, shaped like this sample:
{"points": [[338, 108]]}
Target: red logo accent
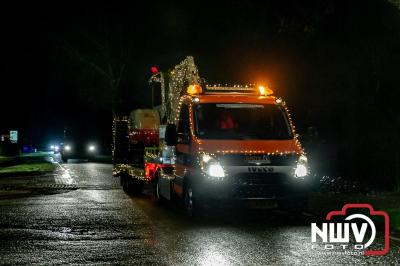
{"points": [[372, 213]]}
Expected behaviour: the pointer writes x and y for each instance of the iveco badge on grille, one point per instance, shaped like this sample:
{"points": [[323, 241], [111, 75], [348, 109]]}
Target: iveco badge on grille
{"points": [[258, 159]]}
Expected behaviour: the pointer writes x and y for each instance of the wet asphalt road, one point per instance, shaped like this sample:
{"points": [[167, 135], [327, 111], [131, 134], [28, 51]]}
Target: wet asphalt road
{"points": [[97, 223]]}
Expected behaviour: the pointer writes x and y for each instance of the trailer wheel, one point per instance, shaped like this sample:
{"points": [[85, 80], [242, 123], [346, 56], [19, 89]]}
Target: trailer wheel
{"points": [[137, 186], [125, 180], [131, 185]]}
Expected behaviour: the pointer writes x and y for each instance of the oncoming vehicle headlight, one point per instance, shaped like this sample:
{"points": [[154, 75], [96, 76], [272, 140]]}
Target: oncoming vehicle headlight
{"points": [[67, 148], [301, 169], [211, 167], [92, 148]]}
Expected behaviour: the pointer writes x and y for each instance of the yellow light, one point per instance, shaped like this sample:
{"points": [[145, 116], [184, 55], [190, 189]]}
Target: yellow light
{"points": [[265, 91], [194, 89], [261, 90]]}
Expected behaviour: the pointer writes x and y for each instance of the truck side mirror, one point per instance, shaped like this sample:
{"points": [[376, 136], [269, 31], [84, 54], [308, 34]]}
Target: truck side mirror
{"points": [[183, 138], [170, 135]]}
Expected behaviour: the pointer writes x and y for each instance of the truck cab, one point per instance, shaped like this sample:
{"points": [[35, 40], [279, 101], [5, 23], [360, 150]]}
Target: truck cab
{"points": [[235, 146]]}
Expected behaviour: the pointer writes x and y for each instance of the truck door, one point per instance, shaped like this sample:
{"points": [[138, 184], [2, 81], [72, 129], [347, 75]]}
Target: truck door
{"points": [[183, 155]]}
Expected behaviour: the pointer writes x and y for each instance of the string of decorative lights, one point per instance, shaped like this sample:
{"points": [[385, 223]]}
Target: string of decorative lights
{"points": [[184, 74], [189, 100]]}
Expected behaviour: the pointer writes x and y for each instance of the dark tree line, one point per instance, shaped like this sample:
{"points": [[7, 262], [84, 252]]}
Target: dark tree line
{"points": [[335, 62]]}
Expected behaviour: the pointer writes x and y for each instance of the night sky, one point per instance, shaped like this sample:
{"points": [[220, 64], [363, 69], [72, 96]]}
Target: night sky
{"points": [[331, 60]]}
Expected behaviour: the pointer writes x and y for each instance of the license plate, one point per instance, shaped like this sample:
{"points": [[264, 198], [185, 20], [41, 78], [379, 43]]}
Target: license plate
{"points": [[261, 204]]}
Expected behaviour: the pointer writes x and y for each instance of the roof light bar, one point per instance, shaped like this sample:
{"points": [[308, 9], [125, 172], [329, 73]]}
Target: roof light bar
{"points": [[194, 89], [260, 90]]}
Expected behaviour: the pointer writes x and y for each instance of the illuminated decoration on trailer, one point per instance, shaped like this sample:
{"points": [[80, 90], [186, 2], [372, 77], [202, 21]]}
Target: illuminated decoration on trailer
{"points": [[183, 73]]}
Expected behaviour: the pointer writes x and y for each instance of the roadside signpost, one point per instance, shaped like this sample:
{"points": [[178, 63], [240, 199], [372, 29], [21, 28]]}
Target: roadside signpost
{"points": [[13, 136]]}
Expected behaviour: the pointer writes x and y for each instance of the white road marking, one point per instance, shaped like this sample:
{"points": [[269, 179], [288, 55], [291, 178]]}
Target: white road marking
{"points": [[64, 178]]}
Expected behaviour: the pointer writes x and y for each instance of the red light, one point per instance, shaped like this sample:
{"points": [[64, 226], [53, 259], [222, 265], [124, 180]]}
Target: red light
{"points": [[150, 169], [154, 70]]}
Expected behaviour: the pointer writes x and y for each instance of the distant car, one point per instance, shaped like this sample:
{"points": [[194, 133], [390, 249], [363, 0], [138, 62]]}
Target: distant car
{"points": [[78, 149], [55, 148]]}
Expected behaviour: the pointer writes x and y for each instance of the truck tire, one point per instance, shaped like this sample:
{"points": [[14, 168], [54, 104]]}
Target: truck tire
{"points": [[160, 199], [192, 208]]}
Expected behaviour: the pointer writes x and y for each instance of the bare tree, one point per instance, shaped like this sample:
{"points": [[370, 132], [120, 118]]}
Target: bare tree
{"points": [[105, 56]]}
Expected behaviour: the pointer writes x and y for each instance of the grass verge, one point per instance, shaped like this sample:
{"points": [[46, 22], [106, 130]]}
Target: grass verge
{"points": [[39, 167], [7, 159]]}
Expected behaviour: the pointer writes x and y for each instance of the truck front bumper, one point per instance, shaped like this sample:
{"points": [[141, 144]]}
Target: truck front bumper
{"points": [[253, 191]]}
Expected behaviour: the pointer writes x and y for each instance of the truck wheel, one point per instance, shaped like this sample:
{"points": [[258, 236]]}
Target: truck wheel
{"points": [[160, 199], [191, 207]]}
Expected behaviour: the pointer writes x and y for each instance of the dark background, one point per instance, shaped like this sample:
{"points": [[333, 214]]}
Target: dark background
{"points": [[336, 63]]}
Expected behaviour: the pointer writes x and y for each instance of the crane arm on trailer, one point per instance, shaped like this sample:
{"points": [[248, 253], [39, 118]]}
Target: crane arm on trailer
{"points": [[174, 85]]}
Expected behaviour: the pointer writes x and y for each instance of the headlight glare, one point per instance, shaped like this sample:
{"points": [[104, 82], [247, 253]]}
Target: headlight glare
{"points": [[67, 148], [300, 171], [215, 170], [92, 148], [211, 167], [206, 158]]}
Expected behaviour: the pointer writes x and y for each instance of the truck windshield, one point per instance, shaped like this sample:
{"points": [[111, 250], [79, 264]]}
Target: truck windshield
{"points": [[241, 121]]}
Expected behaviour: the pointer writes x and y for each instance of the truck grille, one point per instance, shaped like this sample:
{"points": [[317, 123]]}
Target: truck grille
{"points": [[258, 185], [264, 159]]}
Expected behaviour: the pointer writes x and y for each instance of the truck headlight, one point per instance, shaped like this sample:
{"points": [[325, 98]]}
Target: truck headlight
{"points": [[215, 170], [211, 167], [301, 169], [92, 148], [67, 148]]}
